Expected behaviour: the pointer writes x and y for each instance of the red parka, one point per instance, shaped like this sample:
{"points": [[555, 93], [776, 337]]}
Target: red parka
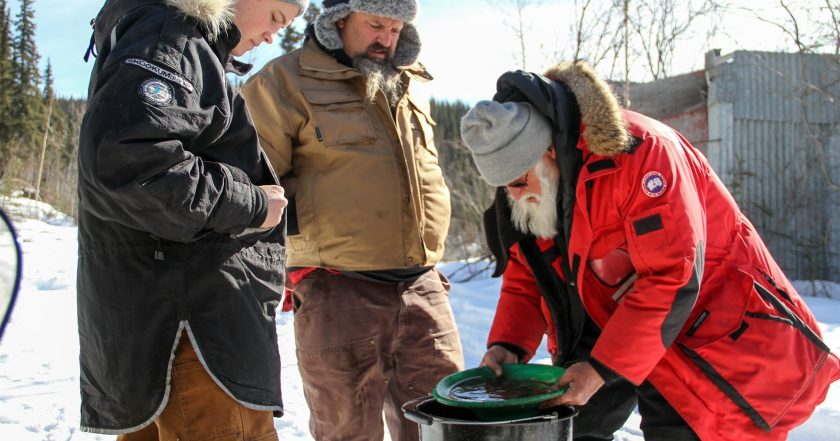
{"points": [[684, 290]]}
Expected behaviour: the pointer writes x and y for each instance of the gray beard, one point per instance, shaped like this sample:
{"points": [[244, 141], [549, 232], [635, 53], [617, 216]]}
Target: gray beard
{"points": [[540, 218], [380, 76]]}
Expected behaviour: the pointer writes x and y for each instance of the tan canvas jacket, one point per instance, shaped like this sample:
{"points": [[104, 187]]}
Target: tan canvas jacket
{"points": [[367, 192]]}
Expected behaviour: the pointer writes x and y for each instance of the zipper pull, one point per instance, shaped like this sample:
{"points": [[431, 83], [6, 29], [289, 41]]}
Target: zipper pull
{"points": [[158, 252]]}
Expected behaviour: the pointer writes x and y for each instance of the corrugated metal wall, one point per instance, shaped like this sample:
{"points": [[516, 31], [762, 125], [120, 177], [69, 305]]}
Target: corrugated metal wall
{"points": [[774, 130]]}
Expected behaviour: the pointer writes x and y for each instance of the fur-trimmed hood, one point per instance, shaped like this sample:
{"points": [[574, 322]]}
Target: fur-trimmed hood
{"points": [[214, 15], [605, 131]]}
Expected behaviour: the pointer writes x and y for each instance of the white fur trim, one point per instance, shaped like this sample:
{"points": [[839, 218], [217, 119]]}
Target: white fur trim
{"points": [[215, 15]]}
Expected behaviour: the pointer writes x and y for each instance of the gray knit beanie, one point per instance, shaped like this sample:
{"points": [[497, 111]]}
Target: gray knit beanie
{"points": [[302, 4], [505, 139], [408, 47]]}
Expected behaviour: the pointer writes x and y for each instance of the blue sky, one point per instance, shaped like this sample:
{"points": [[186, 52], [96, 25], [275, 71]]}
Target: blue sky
{"points": [[63, 32], [466, 43]]}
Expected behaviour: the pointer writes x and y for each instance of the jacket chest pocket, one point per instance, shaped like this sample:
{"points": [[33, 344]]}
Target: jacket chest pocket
{"points": [[608, 260], [340, 118], [752, 347]]}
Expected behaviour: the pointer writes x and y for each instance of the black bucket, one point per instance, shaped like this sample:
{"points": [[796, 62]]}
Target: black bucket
{"points": [[439, 422]]}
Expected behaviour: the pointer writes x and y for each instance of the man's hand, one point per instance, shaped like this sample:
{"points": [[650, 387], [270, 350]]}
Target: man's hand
{"points": [[495, 356], [276, 204], [583, 381]]}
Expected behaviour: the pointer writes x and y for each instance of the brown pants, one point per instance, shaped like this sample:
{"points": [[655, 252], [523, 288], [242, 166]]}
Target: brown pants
{"points": [[366, 347], [199, 410]]}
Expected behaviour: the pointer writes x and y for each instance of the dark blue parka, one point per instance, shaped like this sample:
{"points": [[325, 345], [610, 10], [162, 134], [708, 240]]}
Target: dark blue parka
{"points": [[169, 169]]}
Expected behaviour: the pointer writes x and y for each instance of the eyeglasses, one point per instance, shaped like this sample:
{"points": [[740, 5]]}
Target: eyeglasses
{"points": [[520, 183]]}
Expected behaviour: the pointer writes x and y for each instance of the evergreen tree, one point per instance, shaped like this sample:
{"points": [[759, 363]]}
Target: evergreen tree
{"points": [[28, 107], [470, 195], [49, 91], [6, 86], [27, 51], [61, 190], [292, 37], [6, 75], [25, 131]]}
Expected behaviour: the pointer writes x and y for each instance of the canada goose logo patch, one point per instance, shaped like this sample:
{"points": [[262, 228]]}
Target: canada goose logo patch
{"points": [[654, 184], [156, 91]]}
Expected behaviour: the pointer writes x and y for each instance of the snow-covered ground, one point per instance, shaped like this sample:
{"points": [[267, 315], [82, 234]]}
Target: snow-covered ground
{"points": [[39, 372]]}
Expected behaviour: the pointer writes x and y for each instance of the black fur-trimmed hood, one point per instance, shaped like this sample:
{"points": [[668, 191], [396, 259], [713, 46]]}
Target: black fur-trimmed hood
{"points": [[214, 16]]}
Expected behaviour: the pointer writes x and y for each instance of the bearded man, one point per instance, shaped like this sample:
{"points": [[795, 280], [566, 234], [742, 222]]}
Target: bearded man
{"points": [[616, 238], [345, 125]]}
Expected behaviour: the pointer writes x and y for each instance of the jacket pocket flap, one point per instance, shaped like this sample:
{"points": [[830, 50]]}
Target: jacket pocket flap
{"points": [[607, 239], [326, 97], [720, 314], [423, 107]]}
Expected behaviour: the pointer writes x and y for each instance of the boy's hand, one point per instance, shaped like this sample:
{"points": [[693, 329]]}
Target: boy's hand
{"points": [[276, 205]]}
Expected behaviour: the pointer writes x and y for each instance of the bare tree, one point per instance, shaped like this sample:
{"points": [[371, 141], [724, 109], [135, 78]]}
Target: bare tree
{"points": [[514, 11], [811, 27], [825, 36], [43, 148], [626, 33], [659, 25], [834, 25], [594, 32], [803, 219], [624, 39]]}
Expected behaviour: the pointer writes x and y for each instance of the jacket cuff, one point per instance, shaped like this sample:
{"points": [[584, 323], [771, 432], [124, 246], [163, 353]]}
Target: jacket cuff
{"points": [[520, 353], [260, 208], [608, 375]]}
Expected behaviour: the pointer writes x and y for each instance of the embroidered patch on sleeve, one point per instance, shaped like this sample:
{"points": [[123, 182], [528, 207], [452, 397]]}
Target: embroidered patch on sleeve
{"points": [[155, 91], [161, 72], [654, 184]]}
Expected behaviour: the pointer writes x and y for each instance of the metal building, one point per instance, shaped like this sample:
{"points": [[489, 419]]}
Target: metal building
{"points": [[769, 123], [774, 139]]}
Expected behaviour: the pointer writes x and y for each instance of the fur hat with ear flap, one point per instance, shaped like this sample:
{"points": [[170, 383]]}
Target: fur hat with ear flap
{"points": [[408, 46], [301, 4]]}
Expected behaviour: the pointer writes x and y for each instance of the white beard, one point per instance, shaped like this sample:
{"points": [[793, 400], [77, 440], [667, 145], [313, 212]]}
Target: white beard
{"points": [[538, 218]]}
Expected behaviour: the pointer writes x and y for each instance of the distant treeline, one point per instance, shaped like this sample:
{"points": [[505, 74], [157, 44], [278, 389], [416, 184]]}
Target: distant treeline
{"points": [[38, 131], [470, 195]]}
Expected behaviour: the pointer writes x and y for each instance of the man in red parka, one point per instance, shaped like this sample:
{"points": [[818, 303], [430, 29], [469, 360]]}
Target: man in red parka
{"points": [[614, 236]]}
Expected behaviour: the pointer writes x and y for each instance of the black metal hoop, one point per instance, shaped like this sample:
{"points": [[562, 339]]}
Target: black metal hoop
{"points": [[16, 284]]}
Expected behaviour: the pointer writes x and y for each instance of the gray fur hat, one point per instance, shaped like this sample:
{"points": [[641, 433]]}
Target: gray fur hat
{"points": [[408, 46], [302, 4], [505, 139]]}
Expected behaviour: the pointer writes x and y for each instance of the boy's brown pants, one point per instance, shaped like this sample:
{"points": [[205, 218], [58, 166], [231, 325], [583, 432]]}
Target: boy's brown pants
{"points": [[199, 410]]}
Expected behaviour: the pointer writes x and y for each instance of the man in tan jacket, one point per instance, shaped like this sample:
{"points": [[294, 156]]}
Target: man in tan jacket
{"points": [[345, 125]]}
